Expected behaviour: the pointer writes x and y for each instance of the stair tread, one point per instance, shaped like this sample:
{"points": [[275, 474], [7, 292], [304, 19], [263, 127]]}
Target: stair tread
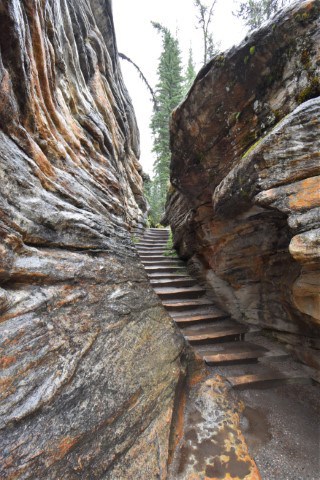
{"points": [[170, 290], [166, 275], [186, 302], [260, 377], [163, 267], [148, 252], [230, 352], [211, 332], [152, 244], [154, 238], [152, 250], [152, 257], [160, 263], [232, 347], [198, 315], [230, 356], [171, 281]]}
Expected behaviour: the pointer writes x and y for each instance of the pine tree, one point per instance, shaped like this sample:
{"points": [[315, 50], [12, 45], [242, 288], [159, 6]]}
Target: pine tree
{"points": [[169, 93], [255, 12], [190, 74]]}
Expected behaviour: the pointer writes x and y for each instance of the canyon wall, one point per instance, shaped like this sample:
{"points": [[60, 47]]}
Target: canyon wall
{"points": [[89, 360], [244, 203]]}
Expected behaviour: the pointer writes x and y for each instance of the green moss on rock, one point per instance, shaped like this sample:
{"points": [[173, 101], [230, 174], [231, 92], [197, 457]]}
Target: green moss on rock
{"points": [[312, 90]]}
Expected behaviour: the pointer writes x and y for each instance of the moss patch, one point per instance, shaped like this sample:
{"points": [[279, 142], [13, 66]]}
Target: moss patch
{"points": [[310, 91]]}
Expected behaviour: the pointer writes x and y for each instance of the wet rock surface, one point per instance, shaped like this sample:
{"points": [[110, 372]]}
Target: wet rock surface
{"points": [[245, 172], [211, 444], [89, 359]]}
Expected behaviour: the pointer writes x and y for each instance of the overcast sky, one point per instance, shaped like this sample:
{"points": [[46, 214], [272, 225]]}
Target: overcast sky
{"points": [[138, 40]]}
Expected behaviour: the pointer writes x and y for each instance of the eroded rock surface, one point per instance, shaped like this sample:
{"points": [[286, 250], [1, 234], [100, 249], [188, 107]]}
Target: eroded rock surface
{"points": [[245, 168], [89, 360]]}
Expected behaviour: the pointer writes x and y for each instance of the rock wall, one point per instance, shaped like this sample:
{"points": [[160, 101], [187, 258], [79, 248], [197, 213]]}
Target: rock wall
{"points": [[89, 360], [244, 207]]}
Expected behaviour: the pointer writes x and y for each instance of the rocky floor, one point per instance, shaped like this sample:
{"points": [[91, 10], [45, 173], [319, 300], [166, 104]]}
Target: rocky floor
{"points": [[280, 401]]}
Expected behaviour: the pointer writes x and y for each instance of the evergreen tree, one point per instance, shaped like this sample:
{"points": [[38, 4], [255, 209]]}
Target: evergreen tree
{"points": [[169, 93], [190, 74], [205, 14], [255, 12]]}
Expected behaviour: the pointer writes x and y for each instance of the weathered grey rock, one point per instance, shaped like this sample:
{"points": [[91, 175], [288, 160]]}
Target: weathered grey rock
{"points": [[245, 168], [89, 360]]}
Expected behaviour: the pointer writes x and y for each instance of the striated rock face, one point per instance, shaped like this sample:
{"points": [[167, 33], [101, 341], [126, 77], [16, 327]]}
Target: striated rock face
{"points": [[89, 360], [245, 167]]}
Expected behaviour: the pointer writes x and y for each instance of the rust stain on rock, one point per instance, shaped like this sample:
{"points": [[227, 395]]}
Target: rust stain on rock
{"points": [[212, 445]]}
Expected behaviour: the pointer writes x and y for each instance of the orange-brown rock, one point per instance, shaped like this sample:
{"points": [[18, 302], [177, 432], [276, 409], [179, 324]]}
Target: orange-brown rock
{"points": [[245, 168], [89, 361]]}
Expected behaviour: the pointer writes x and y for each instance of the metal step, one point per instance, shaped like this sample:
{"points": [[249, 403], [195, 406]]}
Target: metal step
{"points": [[152, 235], [164, 262], [151, 251], [231, 353], [152, 246], [268, 379], [152, 257], [163, 275], [210, 334], [164, 269], [173, 282], [176, 292], [183, 305], [198, 316]]}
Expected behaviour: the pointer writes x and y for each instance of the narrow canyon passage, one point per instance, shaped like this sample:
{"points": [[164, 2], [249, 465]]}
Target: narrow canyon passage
{"points": [[126, 361]]}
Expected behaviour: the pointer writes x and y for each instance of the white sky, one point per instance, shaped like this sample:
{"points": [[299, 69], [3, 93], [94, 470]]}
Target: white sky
{"points": [[138, 40]]}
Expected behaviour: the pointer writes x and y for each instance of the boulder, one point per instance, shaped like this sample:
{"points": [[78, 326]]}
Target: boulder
{"points": [[244, 206]]}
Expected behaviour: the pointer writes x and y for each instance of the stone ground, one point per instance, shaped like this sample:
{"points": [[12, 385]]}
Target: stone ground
{"points": [[281, 427]]}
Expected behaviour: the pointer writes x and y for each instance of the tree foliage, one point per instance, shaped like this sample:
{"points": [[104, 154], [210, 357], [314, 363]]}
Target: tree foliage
{"points": [[204, 18], [255, 12], [169, 93], [141, 75], [190, 73]]}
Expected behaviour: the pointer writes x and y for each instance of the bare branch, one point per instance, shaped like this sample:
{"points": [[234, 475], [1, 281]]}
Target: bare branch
{"points": [[124, 57]]}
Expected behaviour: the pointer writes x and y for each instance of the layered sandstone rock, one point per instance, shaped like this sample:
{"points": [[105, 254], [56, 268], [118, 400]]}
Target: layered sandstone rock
{"points": [[245, 166], [89, 360]]}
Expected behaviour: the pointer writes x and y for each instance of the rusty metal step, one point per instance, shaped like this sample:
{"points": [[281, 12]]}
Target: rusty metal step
{"points": [[158, 230], [211, 333], [152, 254], [152, 246], [272, 378], [185, 281], [164, 269], [162, 262], [186, 304], [179, 292], [151, 251], [198, 316], [231, 353], [168, 275], [152, 235], [152, 257]]}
